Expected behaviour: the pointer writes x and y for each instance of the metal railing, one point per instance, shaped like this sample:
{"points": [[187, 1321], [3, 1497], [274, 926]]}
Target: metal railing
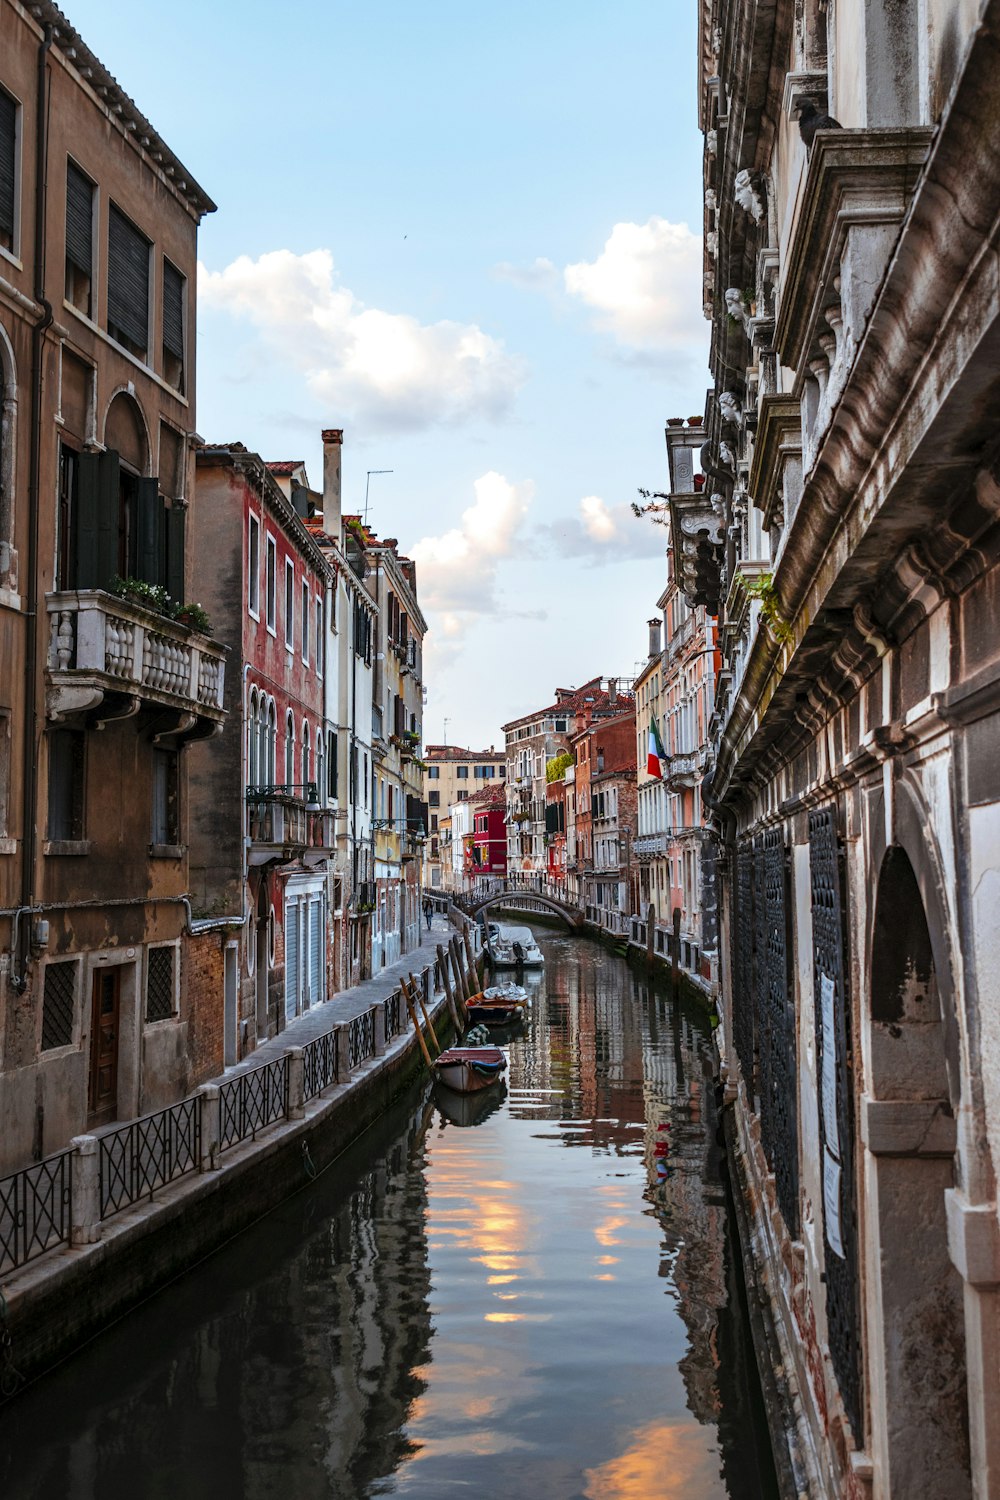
{"points": [[147, 1154], [360, 1038], [320, 1060], [252, 1100], [35, 1210], [392, 1009]]}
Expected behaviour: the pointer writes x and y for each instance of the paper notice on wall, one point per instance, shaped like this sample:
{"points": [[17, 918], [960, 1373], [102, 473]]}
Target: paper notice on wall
{"points": [[827, 995], [831, 1202]]}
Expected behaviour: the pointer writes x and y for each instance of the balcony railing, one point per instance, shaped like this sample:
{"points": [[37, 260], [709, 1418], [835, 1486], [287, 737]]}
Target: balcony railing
{"points": [[287, 816], [106, 649]]}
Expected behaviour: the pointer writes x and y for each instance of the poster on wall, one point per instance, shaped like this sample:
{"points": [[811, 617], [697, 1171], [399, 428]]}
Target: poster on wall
{"points": [[831, 1202], [827, 996]]}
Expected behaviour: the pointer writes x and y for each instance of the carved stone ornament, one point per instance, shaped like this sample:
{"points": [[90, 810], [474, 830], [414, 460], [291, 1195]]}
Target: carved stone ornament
{"points": [[710, 200], [712, 243], [712, 142], [747, 196], [734, 305], [729, 408]]}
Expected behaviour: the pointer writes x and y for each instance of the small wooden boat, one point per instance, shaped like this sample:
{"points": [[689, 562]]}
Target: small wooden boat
{"points": [[469, 1069], [494, 1012]]}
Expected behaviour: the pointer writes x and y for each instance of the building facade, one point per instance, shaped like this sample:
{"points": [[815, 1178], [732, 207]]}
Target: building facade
{"points": [[847, 533], [109, 668], [452, 774]]}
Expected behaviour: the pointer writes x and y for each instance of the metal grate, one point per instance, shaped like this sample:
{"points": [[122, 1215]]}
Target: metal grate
{"points": [[392, 1016], [743, 1035], [35, 1210], [149, 1153], [361, 1038], [58, 1005], [779, 1114], [253, 1100], [319, 1063], [829, 927], [159, 984]]}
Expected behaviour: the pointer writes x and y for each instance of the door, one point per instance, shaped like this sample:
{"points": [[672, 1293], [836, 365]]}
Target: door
{"points": [[102, 1100], [291, 960], [317, 951]]}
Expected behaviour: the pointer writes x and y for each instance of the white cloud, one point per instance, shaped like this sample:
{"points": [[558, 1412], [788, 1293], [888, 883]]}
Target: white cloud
{"points": [[539, 276], [604, 534], [381, 368], [645, 287]]}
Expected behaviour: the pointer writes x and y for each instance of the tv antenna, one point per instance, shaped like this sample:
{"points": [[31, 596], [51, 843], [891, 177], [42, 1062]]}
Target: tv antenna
{"points": [[368, 480], [446, 723]]}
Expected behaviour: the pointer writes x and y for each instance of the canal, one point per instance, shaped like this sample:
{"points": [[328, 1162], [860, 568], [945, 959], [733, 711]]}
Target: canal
{"points": [[538, 1296]]}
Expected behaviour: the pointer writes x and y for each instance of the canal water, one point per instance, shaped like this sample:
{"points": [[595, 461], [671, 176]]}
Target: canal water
{"points": [[535, 1294]]}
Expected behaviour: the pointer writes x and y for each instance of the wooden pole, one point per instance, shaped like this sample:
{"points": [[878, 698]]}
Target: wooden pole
{"points": [[456, 964], [473, 971], [423, 1010], [449, 993], [416, 1024]]}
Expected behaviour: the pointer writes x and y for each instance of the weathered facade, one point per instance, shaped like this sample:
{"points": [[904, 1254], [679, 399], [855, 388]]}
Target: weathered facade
{"points": [[847, 531], [452, 773], [106, 677]]}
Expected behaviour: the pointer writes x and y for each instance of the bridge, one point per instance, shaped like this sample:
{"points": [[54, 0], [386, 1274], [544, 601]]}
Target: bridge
{"points": [[523, 898]]}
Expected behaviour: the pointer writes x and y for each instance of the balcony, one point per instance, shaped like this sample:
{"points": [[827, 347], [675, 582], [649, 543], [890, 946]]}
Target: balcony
{"points": [[286, 822], [650, 845], [685, 770], [108, 658]]}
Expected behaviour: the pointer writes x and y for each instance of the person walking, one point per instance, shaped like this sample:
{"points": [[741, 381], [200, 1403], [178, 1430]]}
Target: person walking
{"points": [[428, 911]]}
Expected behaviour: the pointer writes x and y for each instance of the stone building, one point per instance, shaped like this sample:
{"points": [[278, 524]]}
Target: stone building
{"points": [[107, 676], [452, 774], [847, 533]]}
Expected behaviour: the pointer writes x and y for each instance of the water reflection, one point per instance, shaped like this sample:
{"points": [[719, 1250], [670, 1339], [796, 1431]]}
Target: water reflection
{"points": [[537, 1295]]}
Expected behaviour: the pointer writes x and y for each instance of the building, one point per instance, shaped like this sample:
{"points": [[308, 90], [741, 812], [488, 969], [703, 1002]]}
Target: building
{"points": [[847, 535], [452, 774], [605, 752], [110, 669], [262, 823], [488, 844], [559, 781]]}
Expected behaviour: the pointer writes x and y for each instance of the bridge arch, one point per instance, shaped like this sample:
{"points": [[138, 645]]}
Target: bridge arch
{"points": [[517, 899]]}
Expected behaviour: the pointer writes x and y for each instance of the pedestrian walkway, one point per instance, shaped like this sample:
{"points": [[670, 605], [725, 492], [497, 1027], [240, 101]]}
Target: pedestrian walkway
{"points": [[347, 1004]]}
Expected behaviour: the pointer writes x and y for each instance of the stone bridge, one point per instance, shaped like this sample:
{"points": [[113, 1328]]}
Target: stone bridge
{"points": [[521, 898]]}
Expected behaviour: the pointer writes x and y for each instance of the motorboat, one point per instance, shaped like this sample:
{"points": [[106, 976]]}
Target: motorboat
{"points": [[469, 1069], [515, 947]]}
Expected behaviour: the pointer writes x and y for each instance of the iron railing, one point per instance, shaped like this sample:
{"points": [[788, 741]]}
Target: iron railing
{"points": [[361, 1038], [147, 1154], [35, 1210], [393, 1022], [252, 1100], [320, 1059]]}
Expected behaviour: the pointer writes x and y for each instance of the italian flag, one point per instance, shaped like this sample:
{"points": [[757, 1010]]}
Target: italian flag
{"points": [[655, 755]]}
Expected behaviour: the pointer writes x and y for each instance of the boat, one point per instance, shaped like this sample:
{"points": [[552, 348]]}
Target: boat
{"points": [[515, 947], [497, 1011], [469, 1069], [507, 991]]}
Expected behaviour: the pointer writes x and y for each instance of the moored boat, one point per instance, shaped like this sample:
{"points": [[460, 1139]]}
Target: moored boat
{"points": [[494, 1012], [515, 947], [469, 1069]]}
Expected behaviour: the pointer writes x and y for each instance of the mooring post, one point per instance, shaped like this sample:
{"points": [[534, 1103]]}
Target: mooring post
{"points": [[446, 981], [85, 1223]]}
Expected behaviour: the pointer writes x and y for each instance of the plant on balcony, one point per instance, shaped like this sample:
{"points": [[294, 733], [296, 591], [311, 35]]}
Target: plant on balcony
{"points": [[762, 589], [557, 765], [155, 597]]}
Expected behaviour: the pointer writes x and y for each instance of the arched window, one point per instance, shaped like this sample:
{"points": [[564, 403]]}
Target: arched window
{"points": [[262, 741], [289, 750], [305, 755], [253, 766], [272, 742]]}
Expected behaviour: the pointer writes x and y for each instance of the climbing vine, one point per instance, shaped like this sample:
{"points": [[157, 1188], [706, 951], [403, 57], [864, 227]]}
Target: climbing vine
{"points": [[763, 590]]}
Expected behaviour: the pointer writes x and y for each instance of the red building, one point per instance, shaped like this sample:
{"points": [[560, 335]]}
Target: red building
{"points": [[487, 852], [261, 831]]}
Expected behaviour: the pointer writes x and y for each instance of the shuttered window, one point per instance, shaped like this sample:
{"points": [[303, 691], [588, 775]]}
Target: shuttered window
{"points": [[316, 933], [291, 959], [8, 168], [79, 237], [173, 326], [128, 284]]}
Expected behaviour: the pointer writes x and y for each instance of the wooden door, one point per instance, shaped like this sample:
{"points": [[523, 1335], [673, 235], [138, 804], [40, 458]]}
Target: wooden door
{"points": [[102, 1099]]}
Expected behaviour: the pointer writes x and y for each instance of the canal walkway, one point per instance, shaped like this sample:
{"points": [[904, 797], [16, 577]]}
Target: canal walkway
{"points": [[148, 1199]]}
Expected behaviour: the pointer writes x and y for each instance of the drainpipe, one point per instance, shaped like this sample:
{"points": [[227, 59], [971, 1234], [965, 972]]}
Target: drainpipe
{"points": [[29, 840]]}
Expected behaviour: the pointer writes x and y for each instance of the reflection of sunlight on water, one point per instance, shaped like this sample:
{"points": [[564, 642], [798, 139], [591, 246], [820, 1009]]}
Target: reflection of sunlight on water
{"points": [[666, 1461], [608, 1260], [603, 1276], [501, 1280], [605, 1233], [517, 1317]]}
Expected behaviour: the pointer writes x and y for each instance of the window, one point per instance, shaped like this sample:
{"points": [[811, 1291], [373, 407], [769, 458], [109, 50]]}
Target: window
{"points": [[254, 776], [173, 326], [463, 796], [66, 752], [434, 822], [79, 239], [320, 768], [331, 765], [253, 568], [433, 799], [289, 750], [560, 726], [306, 778], [434, 773], [268, 769], [462, 772], [9, 119], [289, 604], [166, 824], [160, 983], [59, 1004], [4, 770], [320, 643], [305, 621], [271, 584], [128, 284]]}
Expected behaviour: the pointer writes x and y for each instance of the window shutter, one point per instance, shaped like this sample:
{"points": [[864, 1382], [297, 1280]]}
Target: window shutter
{"points": [[175, 552], [291, 959], [316, 933], [79, 219], [84, 565], [108, 502], [128, 280], [150, 550], [173, 310], [8, 159]]}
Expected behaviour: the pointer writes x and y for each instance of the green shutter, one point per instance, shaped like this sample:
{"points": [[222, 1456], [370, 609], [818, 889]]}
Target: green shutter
{"points": [[175, 552], [84, 564], [108, 517], [150, 556]]}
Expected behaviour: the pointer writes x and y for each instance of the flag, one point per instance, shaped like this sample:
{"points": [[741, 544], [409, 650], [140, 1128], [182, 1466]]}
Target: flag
{"points": [[655, 755]]}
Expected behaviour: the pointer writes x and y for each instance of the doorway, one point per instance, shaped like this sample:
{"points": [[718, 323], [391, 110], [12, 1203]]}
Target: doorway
{"points": [[105, 1014]]}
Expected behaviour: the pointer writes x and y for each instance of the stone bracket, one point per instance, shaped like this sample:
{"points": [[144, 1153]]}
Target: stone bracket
{"points": [[908, 1127], [973, 1239]]}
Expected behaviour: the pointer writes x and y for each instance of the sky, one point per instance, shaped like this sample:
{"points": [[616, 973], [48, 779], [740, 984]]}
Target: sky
{"points": [[469, 235]]}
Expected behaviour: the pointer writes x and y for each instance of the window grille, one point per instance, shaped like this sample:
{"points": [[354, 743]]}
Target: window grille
{"points": [[160, 984], [58, 1005]]}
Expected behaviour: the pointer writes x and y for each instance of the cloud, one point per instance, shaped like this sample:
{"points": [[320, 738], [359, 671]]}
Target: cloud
{"points": [[381, 368], [540, 276], [457, 571], [604, 534], [645, 288]]}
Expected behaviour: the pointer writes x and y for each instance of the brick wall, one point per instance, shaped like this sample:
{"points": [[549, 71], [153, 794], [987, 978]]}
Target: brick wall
{"points": [[202, 1000]]}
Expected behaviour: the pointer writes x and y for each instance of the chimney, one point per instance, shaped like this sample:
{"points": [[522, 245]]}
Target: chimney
{"points": [[333, 440], [612, 691], [654, 637]]}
